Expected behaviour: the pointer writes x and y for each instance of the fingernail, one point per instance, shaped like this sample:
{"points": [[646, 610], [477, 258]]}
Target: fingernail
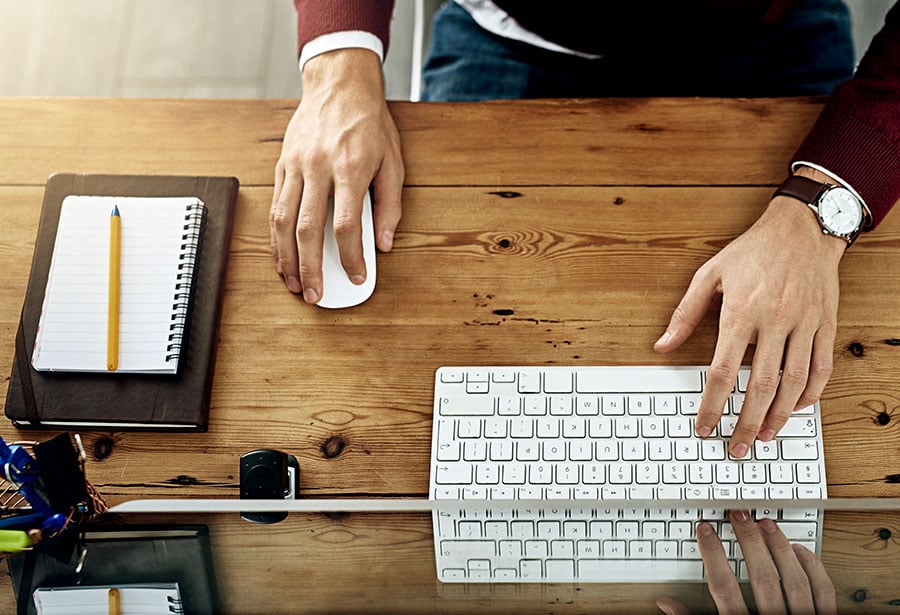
{"points": [[766, 435], [703, 430], [387, 239], [704, 529], [767, 525], [358, 279], [664, 339], [294, 284], [740, 515], [310, 295], [740, 450], [663, 607]]}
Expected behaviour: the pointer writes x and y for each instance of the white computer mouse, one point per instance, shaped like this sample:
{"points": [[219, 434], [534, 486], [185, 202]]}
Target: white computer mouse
{"points": [[337, 289]]}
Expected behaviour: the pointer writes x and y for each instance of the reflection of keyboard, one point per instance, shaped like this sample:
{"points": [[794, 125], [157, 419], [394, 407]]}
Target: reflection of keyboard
{"points": [[594, 438]]}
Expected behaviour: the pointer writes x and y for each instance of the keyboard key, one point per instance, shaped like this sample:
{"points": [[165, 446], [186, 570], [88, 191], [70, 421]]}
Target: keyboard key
{"points": [[712, 450], [451, 374], [531, 570], [508, 405], [560, 405], [557, 381], [798, 530], [765, 451], [679, 428], [453, 474], [487, 474], [510, 548], [468, 549], [574, 428], [547, 428], [448, 575], [599, 427], [743, 379], [799, 450], [581, 450], [529, 381], [587, 405], [607, 451], [612, 405], [642, 571], [521, 428], [798, 514], [593, 474], [659, 450], [562, 548], [534, 405], [639, 405], [503, 375], [477, 387], [464, 405], [630, 380], [799, 427], [536, 548], [664, 405], [560, 570]]}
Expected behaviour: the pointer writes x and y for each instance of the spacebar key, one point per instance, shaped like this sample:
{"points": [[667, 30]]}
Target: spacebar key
{"points": [[627, 380], [630, 570]]}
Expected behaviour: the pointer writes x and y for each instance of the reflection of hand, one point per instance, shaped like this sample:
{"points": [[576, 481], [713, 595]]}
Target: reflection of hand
{"points": [[779, 287], [340, 139], [784, 577]]}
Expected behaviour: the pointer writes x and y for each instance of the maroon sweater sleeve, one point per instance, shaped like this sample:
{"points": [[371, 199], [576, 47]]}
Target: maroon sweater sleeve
{"points": [[857, 137], [318, 17]]}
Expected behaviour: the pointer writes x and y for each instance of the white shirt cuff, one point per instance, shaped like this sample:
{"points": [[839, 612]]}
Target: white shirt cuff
{"points": [[811, 165], [356, 39]]}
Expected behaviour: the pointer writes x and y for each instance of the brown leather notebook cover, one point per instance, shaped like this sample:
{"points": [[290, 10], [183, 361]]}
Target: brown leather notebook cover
{"points": [[127, 401]]}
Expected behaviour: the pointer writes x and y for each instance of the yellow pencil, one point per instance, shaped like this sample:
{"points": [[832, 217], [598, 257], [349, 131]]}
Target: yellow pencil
{"points": [[115, 256], [115, 605]]}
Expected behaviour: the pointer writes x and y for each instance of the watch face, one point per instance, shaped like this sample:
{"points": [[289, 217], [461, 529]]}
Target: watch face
{"points": [[840, 212]]}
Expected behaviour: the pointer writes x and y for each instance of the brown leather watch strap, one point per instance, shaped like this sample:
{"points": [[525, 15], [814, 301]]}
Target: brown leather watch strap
{"points": [[802, 188]]}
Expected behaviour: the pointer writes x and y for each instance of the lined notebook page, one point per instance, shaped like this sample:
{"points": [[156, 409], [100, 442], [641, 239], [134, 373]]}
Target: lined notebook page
{"points": [[134, 599], [159, 242]]}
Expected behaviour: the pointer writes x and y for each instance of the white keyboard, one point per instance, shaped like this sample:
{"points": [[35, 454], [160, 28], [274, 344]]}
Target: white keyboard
{"points": [[592, 439]]}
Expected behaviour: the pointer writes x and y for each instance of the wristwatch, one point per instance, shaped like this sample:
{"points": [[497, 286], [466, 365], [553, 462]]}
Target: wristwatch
{"points": [[839, 211]]}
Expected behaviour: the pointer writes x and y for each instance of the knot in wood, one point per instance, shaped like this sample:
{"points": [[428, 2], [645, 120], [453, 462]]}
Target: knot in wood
{"points": [[103, 448], [506, 194], [883, 418], [884, 533], [859, 595], [856, 349], [333, 446]]}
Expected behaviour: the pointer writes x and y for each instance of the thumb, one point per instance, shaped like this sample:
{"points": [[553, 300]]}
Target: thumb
{"points": [[670, 606], [700, 294]]}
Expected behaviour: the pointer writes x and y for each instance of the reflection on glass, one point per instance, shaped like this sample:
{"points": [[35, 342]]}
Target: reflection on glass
{"points": [[364, 562]]}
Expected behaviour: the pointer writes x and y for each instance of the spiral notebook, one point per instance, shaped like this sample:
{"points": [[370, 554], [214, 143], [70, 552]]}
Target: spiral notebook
{"points": [[172, 282], [159, 242]]}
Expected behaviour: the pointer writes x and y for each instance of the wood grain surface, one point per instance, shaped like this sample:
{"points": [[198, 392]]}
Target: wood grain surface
{"points": [[536, 233]]}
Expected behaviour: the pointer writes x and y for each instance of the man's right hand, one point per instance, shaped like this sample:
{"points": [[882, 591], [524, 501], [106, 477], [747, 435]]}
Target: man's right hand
{"points": [[340, 140]]}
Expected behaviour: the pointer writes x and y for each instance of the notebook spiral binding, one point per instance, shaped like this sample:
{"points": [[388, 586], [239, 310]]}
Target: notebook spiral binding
{"points": [[190, 255], [175, 605]]}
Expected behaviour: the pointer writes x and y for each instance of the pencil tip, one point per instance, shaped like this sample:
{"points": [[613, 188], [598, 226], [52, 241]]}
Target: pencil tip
{"points": [[115, 211]]}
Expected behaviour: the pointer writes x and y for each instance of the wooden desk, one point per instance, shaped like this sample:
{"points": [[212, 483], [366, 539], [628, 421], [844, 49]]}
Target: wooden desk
{"points": [[548, 232]]}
